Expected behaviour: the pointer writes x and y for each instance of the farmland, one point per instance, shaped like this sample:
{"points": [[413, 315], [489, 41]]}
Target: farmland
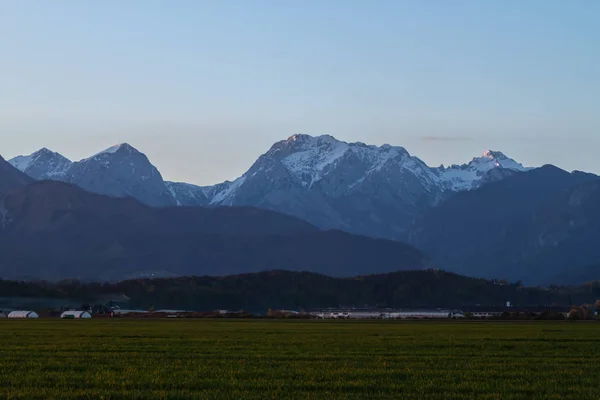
{"points": [[191, 359]]}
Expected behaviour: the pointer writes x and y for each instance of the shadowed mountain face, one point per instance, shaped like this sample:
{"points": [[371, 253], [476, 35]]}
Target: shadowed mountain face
{"points": [[53, 230], [11, 178], [529, 226]]}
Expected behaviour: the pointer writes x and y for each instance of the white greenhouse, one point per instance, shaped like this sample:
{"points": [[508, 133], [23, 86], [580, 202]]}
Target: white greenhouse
{"points": [[76, 315], [23, 314]]}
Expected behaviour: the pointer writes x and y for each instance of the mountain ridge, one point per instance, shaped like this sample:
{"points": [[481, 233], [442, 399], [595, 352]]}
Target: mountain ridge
{"points": [[530, 224], [364, 189]]}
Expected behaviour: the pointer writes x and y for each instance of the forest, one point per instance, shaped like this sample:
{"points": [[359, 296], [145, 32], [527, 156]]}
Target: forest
{"points": [[304, 290]]}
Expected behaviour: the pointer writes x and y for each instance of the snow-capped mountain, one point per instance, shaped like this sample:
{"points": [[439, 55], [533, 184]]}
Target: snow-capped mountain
{"points": [[118, 171], [43, 164], [364, 189], [308, 160], [122, 171], [372, 190], [470, 176]]}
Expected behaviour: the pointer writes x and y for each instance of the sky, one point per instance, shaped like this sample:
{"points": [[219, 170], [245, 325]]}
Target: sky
{"points": [[204, 87]]}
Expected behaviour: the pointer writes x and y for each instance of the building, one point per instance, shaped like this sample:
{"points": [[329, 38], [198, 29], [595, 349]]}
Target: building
{"points": [[76, 315], [23, 315], [426, 314], [385, 313], [118, 311]]}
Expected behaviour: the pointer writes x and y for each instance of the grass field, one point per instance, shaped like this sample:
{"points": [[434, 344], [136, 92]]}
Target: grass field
{"points": [[193, 359]]}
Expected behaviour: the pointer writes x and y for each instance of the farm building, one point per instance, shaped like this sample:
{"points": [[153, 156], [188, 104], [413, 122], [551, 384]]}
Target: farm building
{"points": [[426, 314], [125, 312], [23, 314], [354, 313], [76, 315]]}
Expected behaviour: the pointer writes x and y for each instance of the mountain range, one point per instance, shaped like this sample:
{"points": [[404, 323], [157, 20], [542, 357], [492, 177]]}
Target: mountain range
{"points": [[490, 217], [368, 190]]}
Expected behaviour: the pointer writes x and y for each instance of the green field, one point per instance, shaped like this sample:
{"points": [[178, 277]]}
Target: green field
{"points": [[192, 359]]}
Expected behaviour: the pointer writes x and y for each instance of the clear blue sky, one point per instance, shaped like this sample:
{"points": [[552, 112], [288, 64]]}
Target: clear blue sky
{"points": [[204, 87]]}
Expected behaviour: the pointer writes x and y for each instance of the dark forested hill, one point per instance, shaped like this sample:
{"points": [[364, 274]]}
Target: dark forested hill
{"points": [[529, 226], [285, 289], [577, 276], [52, 230], [50, 206]]}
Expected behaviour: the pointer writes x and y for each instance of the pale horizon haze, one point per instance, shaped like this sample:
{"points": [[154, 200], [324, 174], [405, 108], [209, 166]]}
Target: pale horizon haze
{"points": [[204, 87]]}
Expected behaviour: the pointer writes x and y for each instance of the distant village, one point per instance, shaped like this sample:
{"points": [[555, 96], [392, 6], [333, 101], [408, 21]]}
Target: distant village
{"points": [[117, 307]]}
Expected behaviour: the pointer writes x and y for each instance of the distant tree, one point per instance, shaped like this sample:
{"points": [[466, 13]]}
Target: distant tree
{"points": [[551, 316], [580, 313]]}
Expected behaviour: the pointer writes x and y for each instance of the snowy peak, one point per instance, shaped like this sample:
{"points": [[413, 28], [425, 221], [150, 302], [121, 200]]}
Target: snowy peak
{"points": [[493, 154], [472, 175], [125, 161], [122, 171], [495, 159], [301, 142], [309, 159], [43, 164], [119, 171], [121, 148], [313, 157], [304, 139]]}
